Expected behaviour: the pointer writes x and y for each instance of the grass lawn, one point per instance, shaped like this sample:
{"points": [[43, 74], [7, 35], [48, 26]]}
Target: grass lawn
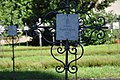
{"points": [[99, 61]]}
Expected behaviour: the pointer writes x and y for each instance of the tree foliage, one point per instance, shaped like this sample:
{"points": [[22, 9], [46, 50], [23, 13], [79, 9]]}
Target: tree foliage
{"points": [[15, 11], [30, 10]]}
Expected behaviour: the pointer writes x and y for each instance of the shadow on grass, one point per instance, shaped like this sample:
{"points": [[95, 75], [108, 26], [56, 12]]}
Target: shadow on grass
{"points": [[29, 75]]}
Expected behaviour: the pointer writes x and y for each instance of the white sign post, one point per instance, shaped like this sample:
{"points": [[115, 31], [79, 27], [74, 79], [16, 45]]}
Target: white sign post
{"points": [[26, 28], [115, 25], [67, 27], [2, 29]]}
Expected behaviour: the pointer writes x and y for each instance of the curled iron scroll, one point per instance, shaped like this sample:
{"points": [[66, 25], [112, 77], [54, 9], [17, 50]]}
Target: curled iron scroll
{"points": [[73, 69], [96, 25], [60, 50]]}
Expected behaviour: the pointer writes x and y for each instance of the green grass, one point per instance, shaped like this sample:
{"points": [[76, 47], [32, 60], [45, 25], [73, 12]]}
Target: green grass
{"points": [[100, 61], [99, 72], [40, 74], [51, 74], [49, 62], [102, 49]]}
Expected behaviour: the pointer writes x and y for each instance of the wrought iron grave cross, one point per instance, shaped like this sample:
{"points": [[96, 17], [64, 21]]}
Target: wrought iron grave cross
{"points": [[69, 24]]}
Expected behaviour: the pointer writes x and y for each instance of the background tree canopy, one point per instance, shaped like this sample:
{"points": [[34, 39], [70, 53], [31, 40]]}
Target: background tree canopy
{"points": [[30, 10]]}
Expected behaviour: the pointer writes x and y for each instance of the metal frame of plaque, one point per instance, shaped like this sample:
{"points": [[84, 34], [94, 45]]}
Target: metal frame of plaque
{"points": [[12, 31], [67, 27]]}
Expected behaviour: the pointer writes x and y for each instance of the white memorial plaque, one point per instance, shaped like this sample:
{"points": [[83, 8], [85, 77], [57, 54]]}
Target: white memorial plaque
{"points": [[12, 31], [67, 27], [115, 25]]}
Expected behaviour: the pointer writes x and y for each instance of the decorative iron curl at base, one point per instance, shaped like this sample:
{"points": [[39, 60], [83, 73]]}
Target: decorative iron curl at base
{"points": [[66, 50]]}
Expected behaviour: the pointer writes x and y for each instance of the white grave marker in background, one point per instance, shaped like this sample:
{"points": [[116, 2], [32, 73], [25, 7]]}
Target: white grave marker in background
{"points": [[1, 29], [115, 25]]}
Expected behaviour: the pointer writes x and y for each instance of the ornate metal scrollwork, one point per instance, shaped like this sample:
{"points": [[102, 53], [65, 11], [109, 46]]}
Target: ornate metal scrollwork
{"points": [[74, 68], [60, 50], [73, 51]]}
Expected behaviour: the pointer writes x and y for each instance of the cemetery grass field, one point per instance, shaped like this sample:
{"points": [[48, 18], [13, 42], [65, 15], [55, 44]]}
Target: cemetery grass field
{"points": [[36, 63]]}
